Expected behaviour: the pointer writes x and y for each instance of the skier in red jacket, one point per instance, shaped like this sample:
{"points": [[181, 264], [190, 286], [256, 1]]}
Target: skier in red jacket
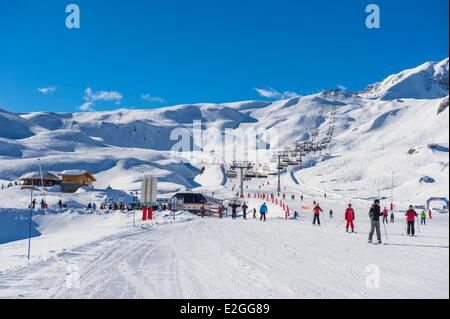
{"points": [[385, 216], [350, 217], [411, 215], [317, 210]]}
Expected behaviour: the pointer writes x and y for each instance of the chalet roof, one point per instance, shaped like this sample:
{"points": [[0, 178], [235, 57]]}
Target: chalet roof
{"points": [[75, 172], [37, 175]]}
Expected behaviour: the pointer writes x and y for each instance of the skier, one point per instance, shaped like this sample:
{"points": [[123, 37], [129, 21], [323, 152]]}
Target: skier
{"points": [[89, 206], [385, 216], [263, 211], [94, 206], [42, 204], [430, 215], [392, 218], [33, 203], [301, 198], [374, 214], [317, 210], [350, 218], [234, 207], [244, 210], [60, 204], [411, 215], [219, 211], [331, 213], [423, 218], [202, 211]]}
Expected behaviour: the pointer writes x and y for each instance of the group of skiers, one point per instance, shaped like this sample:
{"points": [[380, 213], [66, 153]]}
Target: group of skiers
{"points": [[377, 216], [9, 185], [43, 204], [263, 211], [375, 213]]}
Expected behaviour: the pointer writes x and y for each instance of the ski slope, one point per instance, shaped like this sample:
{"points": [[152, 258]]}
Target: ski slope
{"points": [[213, 258]]}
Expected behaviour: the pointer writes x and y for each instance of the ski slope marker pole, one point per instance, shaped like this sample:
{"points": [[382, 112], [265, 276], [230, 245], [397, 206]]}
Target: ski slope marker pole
{"points": [[29, 226]]}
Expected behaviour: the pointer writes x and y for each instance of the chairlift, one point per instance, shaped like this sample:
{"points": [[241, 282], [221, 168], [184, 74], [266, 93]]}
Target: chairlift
{"points": [[232, 174]]}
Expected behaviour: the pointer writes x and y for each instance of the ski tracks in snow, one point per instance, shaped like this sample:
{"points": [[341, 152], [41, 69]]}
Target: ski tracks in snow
{"points": [[210, 258]]}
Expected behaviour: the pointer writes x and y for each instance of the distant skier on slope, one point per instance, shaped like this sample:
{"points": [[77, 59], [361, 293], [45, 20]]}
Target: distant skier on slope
{"points": [[244, 210], [423, 218], [317, 210], [43, 203], [385, 216], [202, 211], [350, 218], [263, 211], [411, 215], [331, 214], [374, 214], [392, 218], [33, 203], [234, 207]]}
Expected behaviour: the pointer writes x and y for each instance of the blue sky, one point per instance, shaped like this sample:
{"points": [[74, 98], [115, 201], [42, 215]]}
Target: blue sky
{"points": [[143, 54]]}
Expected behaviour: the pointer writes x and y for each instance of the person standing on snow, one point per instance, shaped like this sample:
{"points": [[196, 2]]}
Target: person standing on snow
{"points": [[331, 213], [244, 210], [33, 203], [385, 216], [392, 218], [411, 215], [234, 207], [60, 204], [374, 214], [317, 210], [263, 211], [202, 211], [430, 214], [350, 218], [423, 218]]}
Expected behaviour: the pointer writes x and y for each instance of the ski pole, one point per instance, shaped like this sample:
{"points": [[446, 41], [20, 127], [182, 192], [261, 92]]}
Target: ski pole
{"points": [[385, 231], [340, 224]]}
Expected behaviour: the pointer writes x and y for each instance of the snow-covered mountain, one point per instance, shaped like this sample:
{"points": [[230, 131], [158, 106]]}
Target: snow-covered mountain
{"points": [[427, 81], [398, 127]]}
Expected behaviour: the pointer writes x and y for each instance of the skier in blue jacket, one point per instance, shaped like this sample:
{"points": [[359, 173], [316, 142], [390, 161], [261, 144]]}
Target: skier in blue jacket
{"points": [[263, 211]]}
